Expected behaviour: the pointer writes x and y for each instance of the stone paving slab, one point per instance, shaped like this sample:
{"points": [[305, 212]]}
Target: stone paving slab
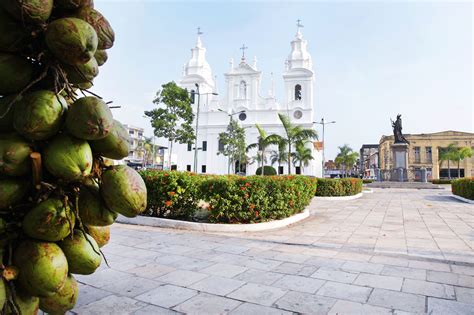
{"points": [[387, 252]]}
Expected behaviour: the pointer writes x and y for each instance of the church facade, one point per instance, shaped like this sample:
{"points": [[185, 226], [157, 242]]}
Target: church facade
{"points": [[242, 101]]}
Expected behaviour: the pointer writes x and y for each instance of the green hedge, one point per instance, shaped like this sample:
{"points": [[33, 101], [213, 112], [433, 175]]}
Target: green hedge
{"points": [[172, 194], [367, 181], [227, 198], [267, 170], [463, 187], [333, 187], [236, 199]]}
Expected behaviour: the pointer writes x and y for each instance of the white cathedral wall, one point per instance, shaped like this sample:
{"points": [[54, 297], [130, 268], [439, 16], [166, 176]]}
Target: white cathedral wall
{"points": [[218, 164]]}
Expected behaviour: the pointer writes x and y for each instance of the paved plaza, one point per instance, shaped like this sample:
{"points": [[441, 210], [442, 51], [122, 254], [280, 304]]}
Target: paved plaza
{"points": [[394, 251]]}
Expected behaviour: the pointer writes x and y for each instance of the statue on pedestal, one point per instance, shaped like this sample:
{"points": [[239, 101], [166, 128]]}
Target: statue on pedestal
{"points": [[397, 130]]}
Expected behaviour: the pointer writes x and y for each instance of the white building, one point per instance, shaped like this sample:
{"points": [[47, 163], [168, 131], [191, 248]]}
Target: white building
{"points": [[135, 154], [242, 93]]}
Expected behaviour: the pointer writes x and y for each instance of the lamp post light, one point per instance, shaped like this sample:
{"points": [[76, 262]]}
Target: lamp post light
{"points": [[323, 123], [230, 120], [197, 124]]}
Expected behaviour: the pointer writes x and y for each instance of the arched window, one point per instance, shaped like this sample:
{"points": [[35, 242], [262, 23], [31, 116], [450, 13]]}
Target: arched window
{"points": [[297, 92], [243, 90]]}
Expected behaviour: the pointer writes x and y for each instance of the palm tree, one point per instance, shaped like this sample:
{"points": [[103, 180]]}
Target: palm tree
{"points": [[447, 154], [294, 134], [302, 155], [279, 156], [346, 158], [148, 150], [460, 154], [262, 143]]}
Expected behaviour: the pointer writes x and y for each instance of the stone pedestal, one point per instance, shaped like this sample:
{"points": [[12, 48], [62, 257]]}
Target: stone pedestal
{"points": [[400, 162]]}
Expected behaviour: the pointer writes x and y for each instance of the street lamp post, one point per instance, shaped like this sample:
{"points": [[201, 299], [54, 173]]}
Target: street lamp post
{"points": [[230, 120], [323, 123], [197, 124]]}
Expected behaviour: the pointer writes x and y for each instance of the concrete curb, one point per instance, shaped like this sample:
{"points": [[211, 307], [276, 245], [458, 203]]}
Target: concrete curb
{"points": [[367, 191], [340, 198], [463, 199], [213, 227]]}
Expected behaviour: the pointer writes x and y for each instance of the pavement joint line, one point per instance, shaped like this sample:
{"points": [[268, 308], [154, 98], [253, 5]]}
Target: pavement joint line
{"points": [[405, 256]]}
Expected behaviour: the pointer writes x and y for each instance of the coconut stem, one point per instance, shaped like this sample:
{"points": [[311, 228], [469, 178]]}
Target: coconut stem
{"points": [[37, 173]]}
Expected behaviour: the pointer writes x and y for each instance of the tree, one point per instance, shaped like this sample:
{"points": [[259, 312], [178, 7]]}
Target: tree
{"points": [[149, 151], [147, 148], [302, 155], [460, 154], [294, 134], [233, 144], [447, 154], [281, 155], [173, 119], [346, 158], [262, 143]]}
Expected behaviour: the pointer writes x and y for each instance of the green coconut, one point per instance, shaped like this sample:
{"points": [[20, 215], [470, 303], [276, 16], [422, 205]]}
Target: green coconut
{"points": [[124, 190], [101, 56], [73, 4], [29, 11], [15, 73], [27, 304], [83, 73], [101, 234], [43, 267], [68, 158], [14, 155], [115, 145], [92, 209], [6, 110], [39, 115], [12, 191], [52, 220], [105, 33], [71, 40], [85, 86], [63, 300], [89, 118], [3, 293], [82, 253], [14, 37]]}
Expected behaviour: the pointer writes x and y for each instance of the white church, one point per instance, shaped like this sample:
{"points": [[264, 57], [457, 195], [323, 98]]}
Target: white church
{"points": [[242, 100]]}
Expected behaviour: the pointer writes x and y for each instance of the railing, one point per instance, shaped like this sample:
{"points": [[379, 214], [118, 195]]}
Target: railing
{"points": [[399, 175]]}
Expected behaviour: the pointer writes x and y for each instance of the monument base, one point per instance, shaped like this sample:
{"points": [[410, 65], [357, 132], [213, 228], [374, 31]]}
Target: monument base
{"points": [[400, 162]]}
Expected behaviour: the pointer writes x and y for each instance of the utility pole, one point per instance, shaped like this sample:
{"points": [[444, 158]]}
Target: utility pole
{"points": [[323, 123], [197, 126]]}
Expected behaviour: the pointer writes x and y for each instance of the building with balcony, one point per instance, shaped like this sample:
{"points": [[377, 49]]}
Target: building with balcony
{"points": [[424, 150], [136, 152], [368, 160]]}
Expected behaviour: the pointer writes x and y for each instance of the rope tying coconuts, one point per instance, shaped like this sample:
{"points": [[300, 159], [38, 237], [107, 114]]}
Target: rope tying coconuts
{"points": [[59, 192]]}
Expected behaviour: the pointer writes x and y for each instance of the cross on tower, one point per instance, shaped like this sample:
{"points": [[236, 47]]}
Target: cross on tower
{"points": [[298, 23], [199, 31], [243, 50]]}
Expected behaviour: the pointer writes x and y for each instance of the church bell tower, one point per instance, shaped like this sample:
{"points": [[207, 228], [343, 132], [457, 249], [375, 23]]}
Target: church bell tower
{"points": [[299, 78]]}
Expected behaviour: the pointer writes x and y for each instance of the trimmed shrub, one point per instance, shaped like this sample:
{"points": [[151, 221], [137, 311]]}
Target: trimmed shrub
{"points": [[463, 187], [335, 187], [267, 171], [441, 181], [367, 181], [237, 199], [172, 194]]}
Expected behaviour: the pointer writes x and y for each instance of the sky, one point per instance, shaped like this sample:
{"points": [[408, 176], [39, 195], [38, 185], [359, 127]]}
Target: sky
{"points": [[372, 60]]}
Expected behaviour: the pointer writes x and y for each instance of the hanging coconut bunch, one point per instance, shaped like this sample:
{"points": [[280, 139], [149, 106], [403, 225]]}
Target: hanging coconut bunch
{"points": [[59, 190]]}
